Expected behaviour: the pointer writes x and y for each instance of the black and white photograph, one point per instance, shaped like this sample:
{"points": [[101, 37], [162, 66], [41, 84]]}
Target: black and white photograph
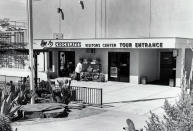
{"points": [[96, 65]]}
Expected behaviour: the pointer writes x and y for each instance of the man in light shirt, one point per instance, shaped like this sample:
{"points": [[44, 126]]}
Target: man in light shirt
{"points": [[78, 69]]}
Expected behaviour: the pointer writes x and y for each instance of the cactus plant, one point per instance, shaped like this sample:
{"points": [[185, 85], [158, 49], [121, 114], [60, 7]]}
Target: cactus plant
{"points": [[11, 102], [5, 124]]}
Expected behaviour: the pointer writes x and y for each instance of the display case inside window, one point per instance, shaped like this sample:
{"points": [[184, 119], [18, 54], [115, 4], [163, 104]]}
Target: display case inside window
{"points": [[91, 69]]}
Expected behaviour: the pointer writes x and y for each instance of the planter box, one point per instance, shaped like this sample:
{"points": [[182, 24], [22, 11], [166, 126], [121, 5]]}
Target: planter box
{"points": [[172, 83], [144, 80]]}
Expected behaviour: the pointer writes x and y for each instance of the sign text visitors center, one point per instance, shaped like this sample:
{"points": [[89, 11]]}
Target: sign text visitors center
{"points": [[107, 43]]}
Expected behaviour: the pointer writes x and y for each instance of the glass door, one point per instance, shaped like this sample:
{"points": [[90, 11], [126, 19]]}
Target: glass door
{"points": [[66, 63], [167, 67], [118, 66]]}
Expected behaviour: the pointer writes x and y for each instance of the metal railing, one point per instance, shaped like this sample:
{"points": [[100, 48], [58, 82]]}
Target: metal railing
{"points": [[86, 95]]}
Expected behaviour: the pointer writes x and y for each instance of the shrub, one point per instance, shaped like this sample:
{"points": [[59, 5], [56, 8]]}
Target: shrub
{"points": [[178, 117]]}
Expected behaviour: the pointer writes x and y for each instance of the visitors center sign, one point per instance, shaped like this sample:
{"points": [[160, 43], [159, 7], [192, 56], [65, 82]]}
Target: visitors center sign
{"points": [[105, 43]]}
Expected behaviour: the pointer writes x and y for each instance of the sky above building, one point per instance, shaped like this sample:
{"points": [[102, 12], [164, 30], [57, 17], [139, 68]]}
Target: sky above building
{"points": [[13, 9]]}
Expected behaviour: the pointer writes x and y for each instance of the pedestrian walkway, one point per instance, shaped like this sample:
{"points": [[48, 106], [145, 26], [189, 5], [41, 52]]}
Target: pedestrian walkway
{"points": [[121, 101], [133, 98]]}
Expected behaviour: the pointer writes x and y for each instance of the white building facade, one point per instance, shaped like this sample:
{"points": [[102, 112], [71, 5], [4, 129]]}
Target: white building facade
{"points": [[131, 38]]}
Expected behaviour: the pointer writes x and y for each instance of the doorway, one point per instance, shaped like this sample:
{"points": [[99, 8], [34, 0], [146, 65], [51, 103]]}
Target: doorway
{"points": [[167, 67], [118, 67], [66, 63]]}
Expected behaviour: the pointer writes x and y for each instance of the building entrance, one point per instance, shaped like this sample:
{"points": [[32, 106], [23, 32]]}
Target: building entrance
{"points": [[167, 67], [66, 63], [118, 68]]}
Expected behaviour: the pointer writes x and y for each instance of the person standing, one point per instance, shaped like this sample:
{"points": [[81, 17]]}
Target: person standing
{"points": [[12, 90], [78, 69], [12, 87]]}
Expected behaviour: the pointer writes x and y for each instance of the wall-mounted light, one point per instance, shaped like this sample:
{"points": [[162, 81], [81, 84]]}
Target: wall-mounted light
{"points": [[59, 10], [82, 4]]}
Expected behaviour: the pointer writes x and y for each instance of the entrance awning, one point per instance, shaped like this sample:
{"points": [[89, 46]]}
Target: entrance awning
{"points": [[137, 43]]}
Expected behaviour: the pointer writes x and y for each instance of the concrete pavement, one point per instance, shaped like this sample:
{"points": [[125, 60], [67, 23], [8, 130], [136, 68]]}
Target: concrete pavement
{"points": [[121, 101]]}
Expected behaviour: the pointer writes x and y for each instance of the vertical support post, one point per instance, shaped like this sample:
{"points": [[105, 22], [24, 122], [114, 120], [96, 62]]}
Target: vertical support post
{"points": [[86, 95], [44, 57], [36, 69], [101, 98], [46, 62], [191, 71], [30, 42], [182, 84]]}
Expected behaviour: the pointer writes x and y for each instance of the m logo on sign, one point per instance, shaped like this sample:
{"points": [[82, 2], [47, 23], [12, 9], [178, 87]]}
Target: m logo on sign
{"points": [[45, 43]]}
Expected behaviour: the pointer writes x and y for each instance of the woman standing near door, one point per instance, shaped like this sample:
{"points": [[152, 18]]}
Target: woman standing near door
{"points": [[78, 69]]}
